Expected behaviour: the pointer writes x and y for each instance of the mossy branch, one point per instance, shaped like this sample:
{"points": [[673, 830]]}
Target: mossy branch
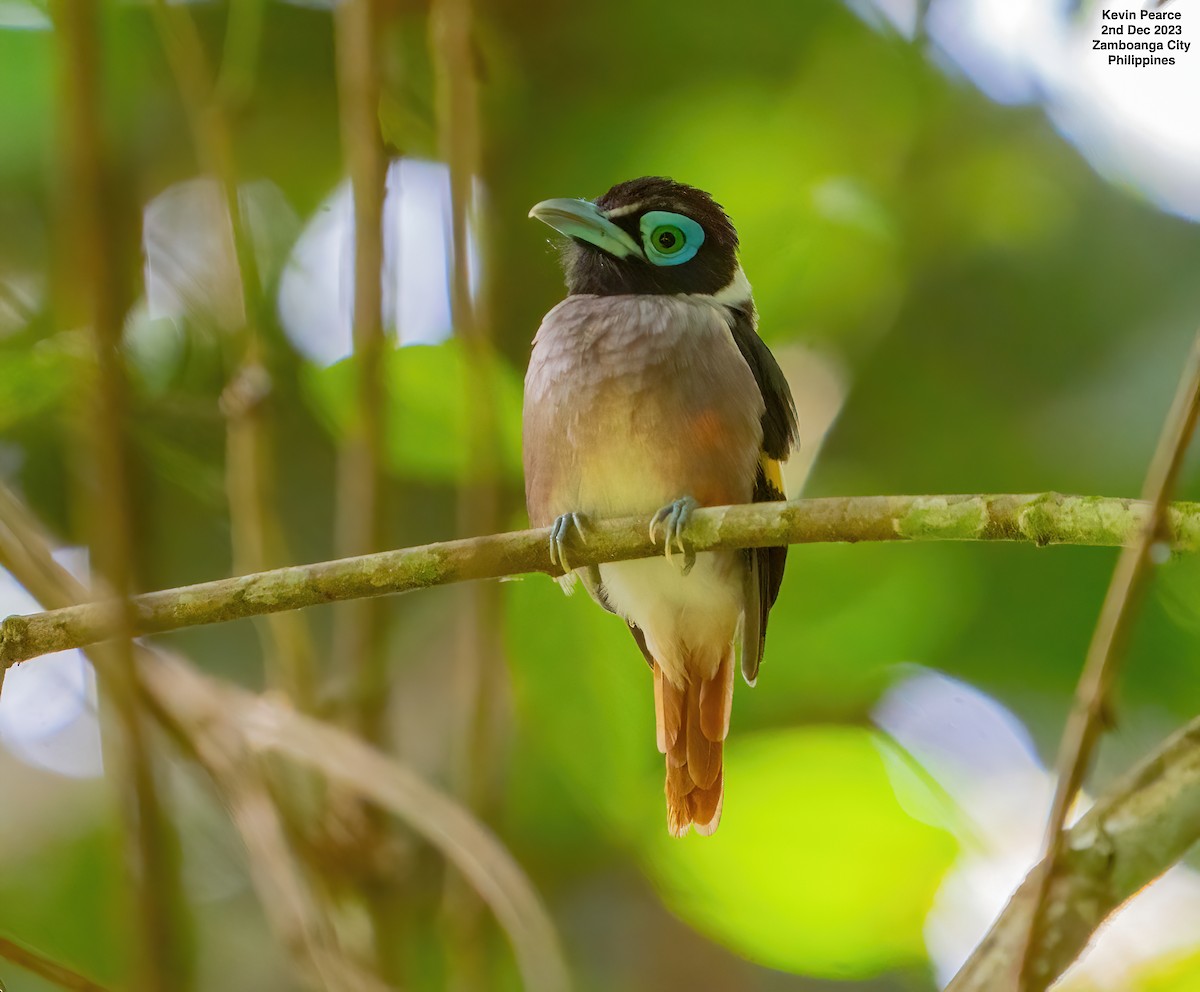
{"points": [[1091, 713], [1132, 834], [1046, 518]]}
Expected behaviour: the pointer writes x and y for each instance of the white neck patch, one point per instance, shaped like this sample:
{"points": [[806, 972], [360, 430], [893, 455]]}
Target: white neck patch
{"points": [[737, 293]]}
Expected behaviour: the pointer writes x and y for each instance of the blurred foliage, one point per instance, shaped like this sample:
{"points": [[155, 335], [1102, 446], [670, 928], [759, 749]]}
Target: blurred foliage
{"points": [[427, 424], [822, 871], [1006, 320]]}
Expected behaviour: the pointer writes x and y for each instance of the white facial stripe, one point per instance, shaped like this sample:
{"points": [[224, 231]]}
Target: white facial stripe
{"points": [[628, 208], [737, 292]]}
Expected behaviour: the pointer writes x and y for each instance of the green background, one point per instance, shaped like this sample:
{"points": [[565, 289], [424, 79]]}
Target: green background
{"points": [[1002, 319]]}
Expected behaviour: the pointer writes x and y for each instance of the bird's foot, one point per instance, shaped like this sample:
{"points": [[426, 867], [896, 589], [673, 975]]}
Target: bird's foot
{"points": [[560, 537], [673, 519]]}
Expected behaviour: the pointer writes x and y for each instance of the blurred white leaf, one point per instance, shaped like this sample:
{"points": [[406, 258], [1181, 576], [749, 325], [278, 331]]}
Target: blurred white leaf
{"points": [[191, 267], [48, 706], [984, 758], [316, 292]]}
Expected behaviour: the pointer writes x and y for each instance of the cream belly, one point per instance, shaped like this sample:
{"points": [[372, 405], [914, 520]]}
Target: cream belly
{"points": [[681, 616]]}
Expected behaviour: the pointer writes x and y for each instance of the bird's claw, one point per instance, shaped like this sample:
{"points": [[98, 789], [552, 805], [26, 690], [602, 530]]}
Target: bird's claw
{"points": [[560, 535], [673, 519]]}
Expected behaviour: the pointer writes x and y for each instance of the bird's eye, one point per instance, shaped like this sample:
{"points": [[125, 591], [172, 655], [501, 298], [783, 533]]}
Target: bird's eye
{"points": [[670, 239]]}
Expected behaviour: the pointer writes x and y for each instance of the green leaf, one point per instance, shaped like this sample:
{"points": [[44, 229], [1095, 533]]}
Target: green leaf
{"points": [[1175, 972], [429, 399], [846, 617], [35, 380], [26, 98], [72, 867], [585, 708], [816, 868]]}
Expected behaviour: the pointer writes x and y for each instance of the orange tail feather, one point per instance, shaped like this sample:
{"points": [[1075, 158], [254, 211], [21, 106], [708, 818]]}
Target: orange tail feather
{"points": [[692, 722]]}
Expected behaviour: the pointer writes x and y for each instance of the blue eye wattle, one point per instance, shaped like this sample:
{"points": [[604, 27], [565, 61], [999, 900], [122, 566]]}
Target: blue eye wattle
{"points": [[670, 239]]}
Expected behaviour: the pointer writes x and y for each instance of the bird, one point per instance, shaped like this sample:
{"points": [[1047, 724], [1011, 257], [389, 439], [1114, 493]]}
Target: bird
{"points": [[649, 391]]}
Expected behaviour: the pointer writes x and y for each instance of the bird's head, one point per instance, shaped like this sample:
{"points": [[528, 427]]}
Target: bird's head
{"points": [[648, 235]]}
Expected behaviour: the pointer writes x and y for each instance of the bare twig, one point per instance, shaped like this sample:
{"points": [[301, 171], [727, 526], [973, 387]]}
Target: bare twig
{"points": [[195, 720], [1130, 836], [184, 699], [1088, 716], [43, 967], [444, 823], [273, 728], [239, 65], [1047, 518], [25, 554], [257, 539], [298, 916], [455, 62], [359, 627], [479, 668], [162, 962]]}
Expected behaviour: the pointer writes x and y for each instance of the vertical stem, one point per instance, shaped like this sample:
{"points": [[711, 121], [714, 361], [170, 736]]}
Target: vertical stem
{"points": [[258, 540], [1091, 712], [298, 916], [360, 628], [359, 632], [239, 65], [479, 670], [478, 508], [162, 964]]}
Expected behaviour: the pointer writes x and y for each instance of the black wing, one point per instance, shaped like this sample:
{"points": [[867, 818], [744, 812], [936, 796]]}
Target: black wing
{"points": [[780, 436]]}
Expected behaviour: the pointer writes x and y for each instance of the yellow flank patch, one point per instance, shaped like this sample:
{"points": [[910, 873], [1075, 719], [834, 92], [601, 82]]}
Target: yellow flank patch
{"points": [[772, 471]]}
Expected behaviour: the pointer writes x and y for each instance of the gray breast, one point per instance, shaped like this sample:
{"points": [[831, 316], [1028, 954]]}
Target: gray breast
{"points": [[633, 401]]}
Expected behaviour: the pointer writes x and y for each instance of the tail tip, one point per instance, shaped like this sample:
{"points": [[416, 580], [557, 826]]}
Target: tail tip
{"points": [[710, 828], [680, 828], [681, 820]]}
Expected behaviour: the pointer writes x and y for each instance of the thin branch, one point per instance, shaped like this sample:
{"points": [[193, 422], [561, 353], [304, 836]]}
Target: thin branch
{"points": [[301, 920], [43, 967], [466, 844], [257, 538], [25, 554], [1130, 836], [243, 38], [1042, 519], [181, 697], [359, 627], [479, 672], [297, 916], [268, 727], [162, 961], [212, 136], [1088, 716]]}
